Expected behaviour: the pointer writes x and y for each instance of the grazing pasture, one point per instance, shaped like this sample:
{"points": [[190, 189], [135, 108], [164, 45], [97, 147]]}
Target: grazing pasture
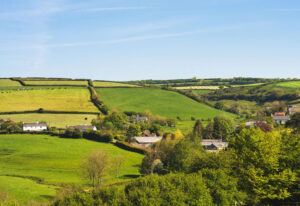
{"points": [[199, 87], [52, 161], [159, 102], [53, 120], [112, 84], [69, 99], [202, 91], [50, 82], [288, 84], [9, 83], [25, 190]]}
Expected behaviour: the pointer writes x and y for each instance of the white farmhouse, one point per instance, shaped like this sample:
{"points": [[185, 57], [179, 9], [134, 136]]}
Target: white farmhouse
{"points": [[34, 126]]}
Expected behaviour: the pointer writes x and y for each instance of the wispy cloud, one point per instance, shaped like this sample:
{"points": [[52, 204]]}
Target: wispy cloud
{"points": [[285, 9], [113, 9], [134, 38], [48, 9]]}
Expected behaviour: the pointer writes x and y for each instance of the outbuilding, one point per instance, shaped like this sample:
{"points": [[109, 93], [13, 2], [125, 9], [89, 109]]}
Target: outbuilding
{"points": [[34, 126]]}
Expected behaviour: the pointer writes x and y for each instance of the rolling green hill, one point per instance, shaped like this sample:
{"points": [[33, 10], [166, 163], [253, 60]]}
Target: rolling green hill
{"points": [[159, 102], [53, 160], [288, 85]]}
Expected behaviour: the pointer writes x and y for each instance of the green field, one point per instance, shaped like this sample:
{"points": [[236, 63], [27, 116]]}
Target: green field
{"points": [[159, 102], [112, 84], [245, 106], [13, 188], [199, 87], [50, 82], [289, 84], [9, 83], [68, 99], [53, 120], [53, 160], [202, 91]]}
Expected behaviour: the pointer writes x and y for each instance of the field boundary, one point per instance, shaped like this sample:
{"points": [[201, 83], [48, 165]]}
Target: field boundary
{"points": [[41, 111]]}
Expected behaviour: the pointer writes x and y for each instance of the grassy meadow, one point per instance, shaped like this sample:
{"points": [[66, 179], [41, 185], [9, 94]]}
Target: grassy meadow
{"points": [[50, 82], [112, 84], [53, 160], [202, 91], [68, 99], [159, 102], [9, 83], [53, 120], [288, 84], [199, 87]]}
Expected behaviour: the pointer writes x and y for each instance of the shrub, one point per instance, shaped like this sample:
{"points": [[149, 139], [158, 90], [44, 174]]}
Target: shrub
{"points": [[129, 147]]}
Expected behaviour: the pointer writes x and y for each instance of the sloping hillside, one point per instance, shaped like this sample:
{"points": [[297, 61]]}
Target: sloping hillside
{"points": [[159, 102]]}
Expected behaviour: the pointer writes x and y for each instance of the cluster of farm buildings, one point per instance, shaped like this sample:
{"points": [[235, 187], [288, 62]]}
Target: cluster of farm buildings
{"points": [[146, 139]]}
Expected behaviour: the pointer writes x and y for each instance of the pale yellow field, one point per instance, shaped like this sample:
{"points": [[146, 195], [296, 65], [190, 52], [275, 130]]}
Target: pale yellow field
{"points": [[52, 120], [70, 99], [112, 84], [9, 83], [76, 83]]}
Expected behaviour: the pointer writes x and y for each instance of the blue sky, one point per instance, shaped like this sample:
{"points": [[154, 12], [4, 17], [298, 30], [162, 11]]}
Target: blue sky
{"points": [[150, 39]]}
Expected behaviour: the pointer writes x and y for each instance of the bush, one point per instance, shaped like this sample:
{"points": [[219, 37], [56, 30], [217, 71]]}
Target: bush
{"points": [[129, 147], [73, 133], [98, 136]]}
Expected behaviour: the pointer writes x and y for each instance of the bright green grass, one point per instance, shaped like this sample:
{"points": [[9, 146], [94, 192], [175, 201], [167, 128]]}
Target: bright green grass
{"points": [[75, 83], [289, 84], [55, 160], [112, 84], [245, 106], [53, 120], [159, 102], [25, 190], [9, 83], [70, 99], [184, 126]]}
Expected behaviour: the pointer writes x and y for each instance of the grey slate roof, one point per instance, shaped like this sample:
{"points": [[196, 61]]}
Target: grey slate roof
{"points": [[147, 140], [34, 125], [281, 117], [82, 127]]}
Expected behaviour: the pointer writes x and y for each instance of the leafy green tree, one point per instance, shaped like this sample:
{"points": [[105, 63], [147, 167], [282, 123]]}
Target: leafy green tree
{"points": [[289, 158], [294, 122], [256, 161], [219, 105], [222, 187], [198, 129], [223, 127], [117, 118], [133, 130], [209, 130], [172, 189]]}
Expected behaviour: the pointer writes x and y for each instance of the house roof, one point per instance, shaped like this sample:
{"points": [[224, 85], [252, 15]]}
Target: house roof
{"points": [[253, 123], [34, 125], [82, 127], [217, 142], [281, 117], [147, 140], [279, 114]]}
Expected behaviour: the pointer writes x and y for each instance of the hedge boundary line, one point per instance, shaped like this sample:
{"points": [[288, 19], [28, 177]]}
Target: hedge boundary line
{"points": [[119, 87], [129, 147], [18, 80], [95, 98], [41, 111]]}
